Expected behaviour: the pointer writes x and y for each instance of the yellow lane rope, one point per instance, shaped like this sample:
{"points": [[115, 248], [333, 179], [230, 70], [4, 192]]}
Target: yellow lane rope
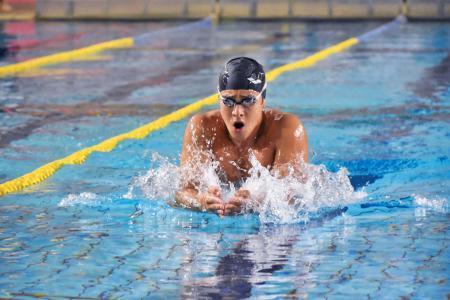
{"points": [[312, 59], [80, 156], [86, 52], [63, 57]]}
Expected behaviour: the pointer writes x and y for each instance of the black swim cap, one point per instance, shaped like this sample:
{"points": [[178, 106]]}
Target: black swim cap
{"points": [[242, 73]]}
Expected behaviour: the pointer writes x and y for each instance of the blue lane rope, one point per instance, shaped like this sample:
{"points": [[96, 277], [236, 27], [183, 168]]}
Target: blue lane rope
{"points": [[143, 39], [370, 34]]}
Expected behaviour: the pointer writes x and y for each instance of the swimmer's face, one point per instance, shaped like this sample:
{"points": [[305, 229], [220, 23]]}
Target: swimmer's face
{"points": [[241, 111]]}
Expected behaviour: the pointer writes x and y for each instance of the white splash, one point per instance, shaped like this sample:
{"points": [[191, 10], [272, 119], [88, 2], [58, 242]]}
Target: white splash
{"points": [[90, 199], [276, 199], [278, 117], [299, 131], [437, 204], [291, 199]]}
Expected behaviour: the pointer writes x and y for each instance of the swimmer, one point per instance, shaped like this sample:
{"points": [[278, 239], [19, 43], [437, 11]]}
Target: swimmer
{"points": [[241, 127]]}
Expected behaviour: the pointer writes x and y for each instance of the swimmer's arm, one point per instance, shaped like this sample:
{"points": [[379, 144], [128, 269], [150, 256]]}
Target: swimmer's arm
{"points": [[209, 201], [192, 144], [292, 146], [192, 157], [188, 198], [194, 141]]}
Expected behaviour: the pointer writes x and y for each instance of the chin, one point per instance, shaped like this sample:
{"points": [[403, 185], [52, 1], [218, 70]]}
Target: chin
{"points": [[240, 135]]}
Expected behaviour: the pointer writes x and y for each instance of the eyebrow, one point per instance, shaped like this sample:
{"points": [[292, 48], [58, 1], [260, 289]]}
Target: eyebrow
{"points": [[225, 94]]}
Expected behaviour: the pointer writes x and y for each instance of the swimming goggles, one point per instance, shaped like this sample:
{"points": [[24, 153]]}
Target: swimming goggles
{"points": [[246, 102]]}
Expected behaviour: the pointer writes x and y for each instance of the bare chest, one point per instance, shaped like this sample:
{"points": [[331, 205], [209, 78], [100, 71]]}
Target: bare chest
{"points": [[235, 163]]}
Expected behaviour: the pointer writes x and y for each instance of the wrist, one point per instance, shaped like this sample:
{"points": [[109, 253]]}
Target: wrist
{"points": [[201, 202]]}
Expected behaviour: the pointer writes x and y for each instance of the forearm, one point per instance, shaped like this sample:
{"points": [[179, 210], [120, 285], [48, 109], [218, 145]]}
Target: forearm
{"points": [[294, 169]]}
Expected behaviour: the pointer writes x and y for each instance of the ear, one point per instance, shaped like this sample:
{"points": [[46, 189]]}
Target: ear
{"points": [[263, 101]]}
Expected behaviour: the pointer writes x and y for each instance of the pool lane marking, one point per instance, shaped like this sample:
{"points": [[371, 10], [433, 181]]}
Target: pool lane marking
{"points": [[79, 157], [321, 55], [312, 59], [371, 33], [72, 55], [65, 56]]}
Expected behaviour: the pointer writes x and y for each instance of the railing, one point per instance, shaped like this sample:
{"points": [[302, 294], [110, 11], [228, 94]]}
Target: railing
{"points": [[241, 9]]}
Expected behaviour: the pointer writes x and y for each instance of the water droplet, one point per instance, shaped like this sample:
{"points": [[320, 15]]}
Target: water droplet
{"points": [[278, 117], [299, 131]]}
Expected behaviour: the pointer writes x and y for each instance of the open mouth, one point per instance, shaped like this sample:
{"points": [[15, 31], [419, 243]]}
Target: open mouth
{"points": [[238, 125]]}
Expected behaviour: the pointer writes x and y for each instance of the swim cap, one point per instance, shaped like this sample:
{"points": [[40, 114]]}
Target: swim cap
{"points": [[242, 73]]}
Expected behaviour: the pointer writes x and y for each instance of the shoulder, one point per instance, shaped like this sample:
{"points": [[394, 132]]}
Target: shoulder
{"points": [[204, 123], [205, 120], [282, 122], [206, 117], [290, 121], [289, 136]]}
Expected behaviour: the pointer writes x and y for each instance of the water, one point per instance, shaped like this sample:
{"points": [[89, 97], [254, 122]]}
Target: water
{"points": [[375, 225], [276, 200]]}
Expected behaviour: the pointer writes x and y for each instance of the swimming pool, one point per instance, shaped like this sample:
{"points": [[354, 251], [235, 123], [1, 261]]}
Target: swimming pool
{"points": [[380, 109]]}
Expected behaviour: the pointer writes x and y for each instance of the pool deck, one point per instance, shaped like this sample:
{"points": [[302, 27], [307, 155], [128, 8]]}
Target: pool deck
{"points": [[18, 10]]}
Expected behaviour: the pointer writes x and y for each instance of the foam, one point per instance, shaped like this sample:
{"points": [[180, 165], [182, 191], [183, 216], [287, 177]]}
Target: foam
{"points": [[317, 189], [86, 198], [436, 203], [291, 199]]}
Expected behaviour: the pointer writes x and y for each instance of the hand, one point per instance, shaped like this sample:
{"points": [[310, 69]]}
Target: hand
{"points": [[211, 201], [237, 203]]}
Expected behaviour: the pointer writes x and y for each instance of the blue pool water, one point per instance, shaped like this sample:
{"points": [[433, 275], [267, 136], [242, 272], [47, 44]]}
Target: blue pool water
{"points": [[103, 230]]}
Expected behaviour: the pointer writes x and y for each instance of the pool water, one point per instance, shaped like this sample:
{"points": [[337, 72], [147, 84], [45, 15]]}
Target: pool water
{"points": [[99, 230]]}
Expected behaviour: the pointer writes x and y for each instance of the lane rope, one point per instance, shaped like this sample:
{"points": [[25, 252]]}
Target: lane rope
{"points": [[79, 157], [68, 56], [64, 57]]}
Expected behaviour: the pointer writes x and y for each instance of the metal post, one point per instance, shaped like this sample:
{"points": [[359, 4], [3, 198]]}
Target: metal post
{"points": [[441, 9], [290, 9], [69, 9], [38, 8], [370, 9], [253, 8], [405, 8], [185, 11], [330, 8], [106, 8], [145, 10], [217, 11]]}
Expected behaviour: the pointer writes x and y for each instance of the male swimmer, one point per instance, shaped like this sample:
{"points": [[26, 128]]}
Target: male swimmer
{"points": [[241, 127]]}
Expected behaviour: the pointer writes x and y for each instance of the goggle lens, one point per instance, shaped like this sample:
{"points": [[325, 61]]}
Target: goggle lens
{"points": [[247, 101], [230, 102]]}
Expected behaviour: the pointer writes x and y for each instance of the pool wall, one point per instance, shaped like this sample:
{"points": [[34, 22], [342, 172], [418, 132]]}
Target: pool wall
{"points": [[248, 9]]}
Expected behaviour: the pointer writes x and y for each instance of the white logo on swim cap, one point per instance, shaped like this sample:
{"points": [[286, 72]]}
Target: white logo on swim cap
{"points": [[254, 81]]}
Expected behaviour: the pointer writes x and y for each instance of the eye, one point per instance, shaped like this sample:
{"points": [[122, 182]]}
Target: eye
{"points": [[228, 101], [247, 101]]}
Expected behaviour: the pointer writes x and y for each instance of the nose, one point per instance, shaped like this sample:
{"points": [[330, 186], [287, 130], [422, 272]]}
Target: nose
{"points": [[238, 111]]}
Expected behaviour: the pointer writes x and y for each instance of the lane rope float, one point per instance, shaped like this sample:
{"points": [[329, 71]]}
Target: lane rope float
{"points": [[68, 56], [63, 57]]}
